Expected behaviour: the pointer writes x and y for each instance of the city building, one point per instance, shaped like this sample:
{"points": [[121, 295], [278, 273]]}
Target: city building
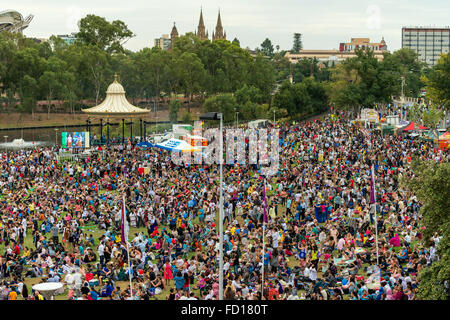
{"points": [[428, 42], [345, 51], [362, 43], [331, 56], [164, 42], [68, 38], [13, 21]]}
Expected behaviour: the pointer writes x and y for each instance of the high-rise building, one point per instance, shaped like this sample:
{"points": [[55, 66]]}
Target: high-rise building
{"points": [[219, 34], [164, 42], [201, 30], [428, 42]]}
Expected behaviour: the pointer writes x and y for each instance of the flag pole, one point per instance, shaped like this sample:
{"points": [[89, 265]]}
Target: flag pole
{"points": [[125, 238], [374, 206], [263, 240]]}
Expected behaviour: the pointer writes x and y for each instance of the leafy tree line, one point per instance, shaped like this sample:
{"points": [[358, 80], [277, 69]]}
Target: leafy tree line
{"points": [[54, 70], [216, 72]]}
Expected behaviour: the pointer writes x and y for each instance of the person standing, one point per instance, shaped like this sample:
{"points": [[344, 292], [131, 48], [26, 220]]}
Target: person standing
{"points": [[101, 253]]}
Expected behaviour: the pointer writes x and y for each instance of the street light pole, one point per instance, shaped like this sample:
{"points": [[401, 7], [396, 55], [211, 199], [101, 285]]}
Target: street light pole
{"points": [[219, 116], [221, 212], [56, 136]]}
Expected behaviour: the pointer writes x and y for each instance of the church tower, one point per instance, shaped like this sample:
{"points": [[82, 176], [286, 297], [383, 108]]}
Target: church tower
{"points": [[201, 28], [219, 34], [173, 35]]}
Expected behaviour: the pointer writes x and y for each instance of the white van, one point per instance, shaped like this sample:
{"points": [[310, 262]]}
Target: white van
{"points": [[261, 123]]}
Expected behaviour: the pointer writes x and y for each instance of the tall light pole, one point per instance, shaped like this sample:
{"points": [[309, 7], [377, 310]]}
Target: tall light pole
{"points": [[219, 116], [56, 136]]}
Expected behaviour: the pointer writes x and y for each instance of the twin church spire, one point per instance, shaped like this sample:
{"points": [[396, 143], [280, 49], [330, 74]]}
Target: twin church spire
{"points": [[203, 34]]}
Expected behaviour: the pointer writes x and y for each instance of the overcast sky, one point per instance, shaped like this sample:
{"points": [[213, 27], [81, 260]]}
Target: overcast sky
{"points": [[323, 23]]}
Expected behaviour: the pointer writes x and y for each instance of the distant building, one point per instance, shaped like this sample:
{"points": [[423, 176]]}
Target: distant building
{"points": [[428, 43], [13, 21], [332, 56], [346, 50], [68, 38], [164, 42], [362, 43]]}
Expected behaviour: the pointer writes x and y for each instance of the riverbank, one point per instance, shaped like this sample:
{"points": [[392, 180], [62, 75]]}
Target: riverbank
{"points": [[16, 119]]}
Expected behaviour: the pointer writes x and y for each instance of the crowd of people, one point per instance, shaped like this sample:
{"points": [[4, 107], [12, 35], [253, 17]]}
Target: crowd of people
{"points": [[61, 221]]}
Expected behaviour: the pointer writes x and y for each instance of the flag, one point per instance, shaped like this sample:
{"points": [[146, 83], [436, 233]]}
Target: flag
{"points": [[265, 204], [372, 187], [124, 223]]}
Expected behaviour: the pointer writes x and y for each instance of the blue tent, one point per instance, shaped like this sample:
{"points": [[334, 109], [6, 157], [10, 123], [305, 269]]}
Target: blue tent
{"points": [[145, 144]]}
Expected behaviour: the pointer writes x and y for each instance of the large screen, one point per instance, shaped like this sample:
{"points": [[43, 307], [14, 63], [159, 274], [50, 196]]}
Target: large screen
{"points": [[74, 140]]}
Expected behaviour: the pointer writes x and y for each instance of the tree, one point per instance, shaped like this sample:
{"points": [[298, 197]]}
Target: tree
{"points": [[297, 45], [236, 42], [96, 66], [108, 36], [438, 82], [430, 183], [174, 107], [49, 83], [153, 67], [410, 68], [303, 98], [262, 76], [224, 103], [362, 81], [282, 65], [191, 74], [267, 48], [432, 116]]}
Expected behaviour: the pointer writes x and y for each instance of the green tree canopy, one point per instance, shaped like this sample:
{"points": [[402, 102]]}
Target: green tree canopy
{"points": [[438, 82], [430, 183], [108, 36]]}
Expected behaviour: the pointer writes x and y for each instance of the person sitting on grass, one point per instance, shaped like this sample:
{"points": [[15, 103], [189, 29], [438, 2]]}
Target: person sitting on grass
{"points": [[107, 291]]}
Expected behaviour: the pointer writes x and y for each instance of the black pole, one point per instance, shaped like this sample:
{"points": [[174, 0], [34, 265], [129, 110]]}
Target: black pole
{"points": [[101, 130], [123, 131], [145, 129], [131, 130], [89, 129], [107, 133], [140, 127]]}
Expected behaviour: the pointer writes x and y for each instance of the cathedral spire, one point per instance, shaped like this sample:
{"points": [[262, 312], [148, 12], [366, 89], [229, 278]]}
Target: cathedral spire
{"points": [[219, 34], [201, 27]]}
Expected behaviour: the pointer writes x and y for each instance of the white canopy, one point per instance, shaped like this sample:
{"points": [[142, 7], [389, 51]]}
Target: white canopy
{"points": [[176, 145], [115, 104]]}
